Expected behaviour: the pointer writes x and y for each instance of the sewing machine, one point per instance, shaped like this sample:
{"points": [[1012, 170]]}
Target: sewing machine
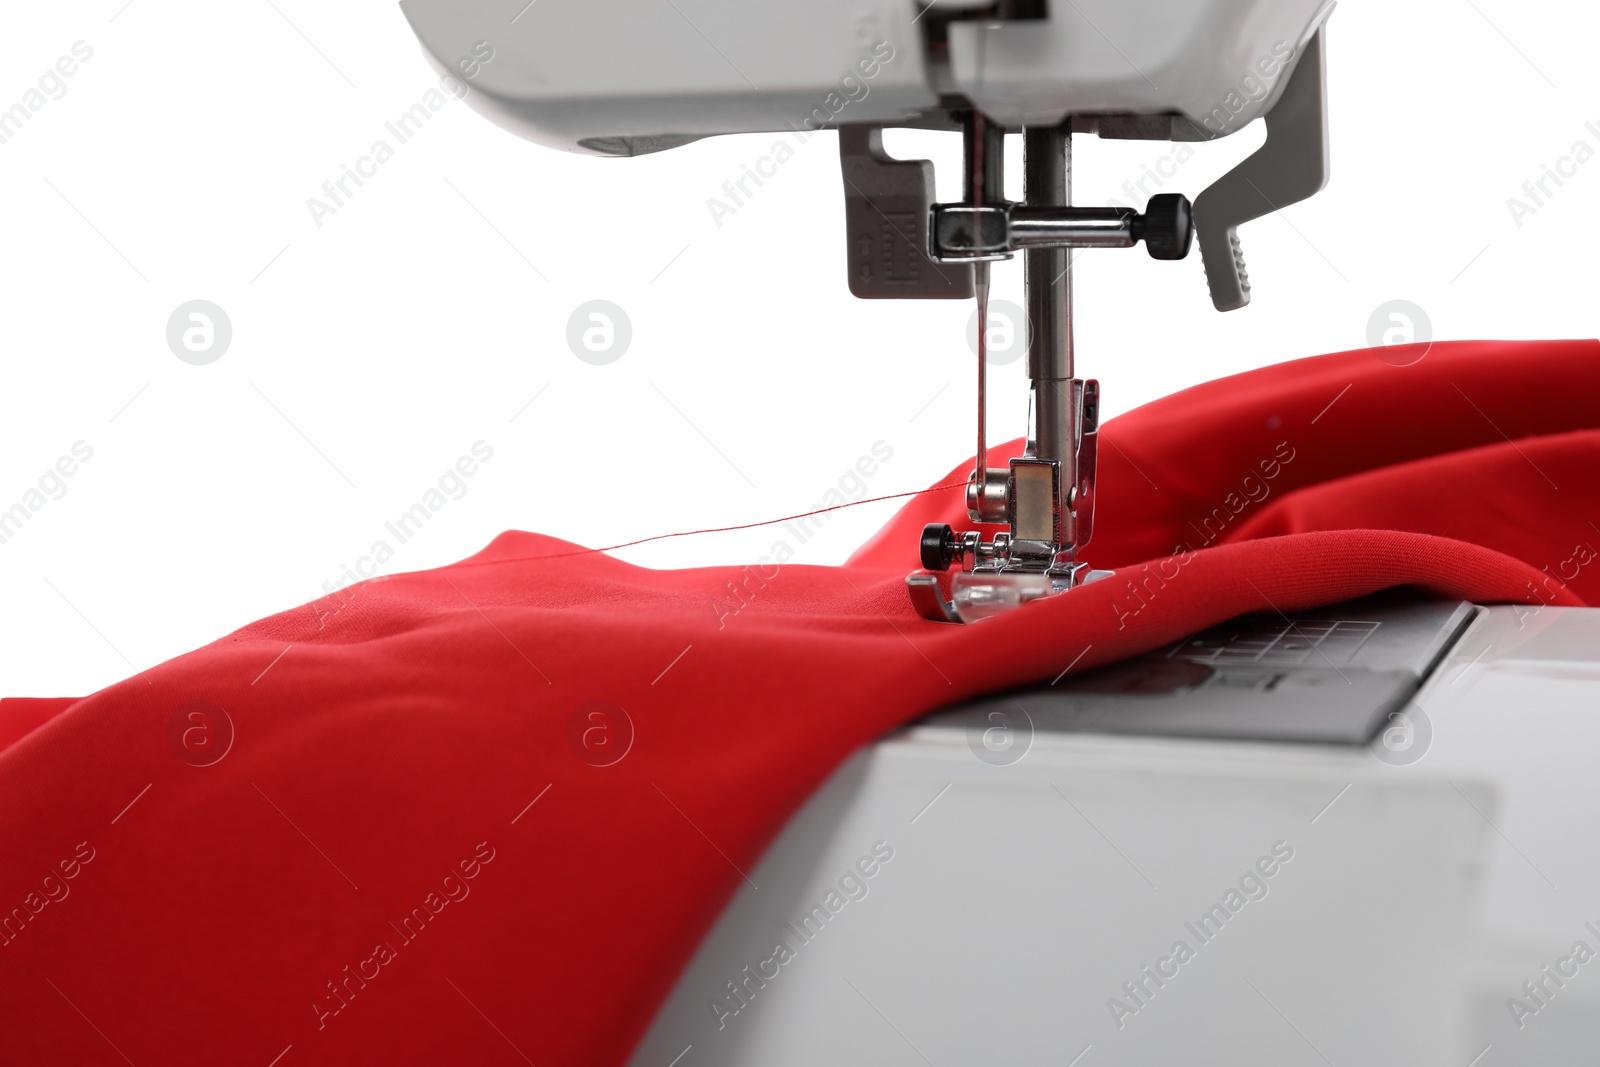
{"points": [[648, 77], [1009, 881]]}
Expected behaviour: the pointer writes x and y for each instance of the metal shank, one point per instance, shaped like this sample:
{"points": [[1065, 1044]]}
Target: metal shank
{"points": [[1048, 280]]}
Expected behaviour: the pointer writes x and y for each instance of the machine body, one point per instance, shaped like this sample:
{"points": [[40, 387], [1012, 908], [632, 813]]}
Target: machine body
{"points": [[1008, 880], [1049, 851]]}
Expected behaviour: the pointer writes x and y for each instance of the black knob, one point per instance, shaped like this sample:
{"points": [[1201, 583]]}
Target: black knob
{"points": [[1166, 227], [937, 538]]}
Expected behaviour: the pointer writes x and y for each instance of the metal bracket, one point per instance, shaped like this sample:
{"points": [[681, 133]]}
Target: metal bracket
{"points": [[968, 233], [929, 599], [1291, 165], [1082, 502]]}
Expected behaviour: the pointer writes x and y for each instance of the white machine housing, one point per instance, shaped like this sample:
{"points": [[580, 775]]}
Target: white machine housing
{"points": [[625, 78], [1403, 898]]}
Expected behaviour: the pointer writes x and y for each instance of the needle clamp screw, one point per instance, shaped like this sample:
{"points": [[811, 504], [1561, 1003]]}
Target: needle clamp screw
{"points": [[1166, 227]]}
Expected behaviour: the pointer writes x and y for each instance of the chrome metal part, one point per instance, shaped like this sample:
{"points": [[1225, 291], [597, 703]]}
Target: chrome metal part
{"points": [[1083, 227], [929, 599], [995, 550], [990, 500], [986, 591], [967, 233], [1048, 282], [1046, 496], [1081, 499], [1037, 507]]}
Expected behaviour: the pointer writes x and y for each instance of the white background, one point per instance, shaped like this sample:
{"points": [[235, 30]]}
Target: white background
{"points": [[370, 353]]}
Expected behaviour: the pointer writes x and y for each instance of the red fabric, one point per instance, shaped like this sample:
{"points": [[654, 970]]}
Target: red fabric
{"points": [[401, 730], [1517, 488], [20, 716]]}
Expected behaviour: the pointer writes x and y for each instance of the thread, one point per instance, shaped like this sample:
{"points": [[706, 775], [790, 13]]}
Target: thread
{"points": [[751, 525]]}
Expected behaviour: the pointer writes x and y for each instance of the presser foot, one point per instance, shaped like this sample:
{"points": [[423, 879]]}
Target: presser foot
{"points": [[988, 591]]}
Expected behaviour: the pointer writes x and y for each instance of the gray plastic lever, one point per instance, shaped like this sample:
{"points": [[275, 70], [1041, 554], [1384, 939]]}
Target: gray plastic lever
{"points": [[886, 205], [1291, 165]]}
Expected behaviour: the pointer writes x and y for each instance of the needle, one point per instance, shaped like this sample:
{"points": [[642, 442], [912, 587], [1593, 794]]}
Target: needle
{"points": [[980, 280], [978, 195]]}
